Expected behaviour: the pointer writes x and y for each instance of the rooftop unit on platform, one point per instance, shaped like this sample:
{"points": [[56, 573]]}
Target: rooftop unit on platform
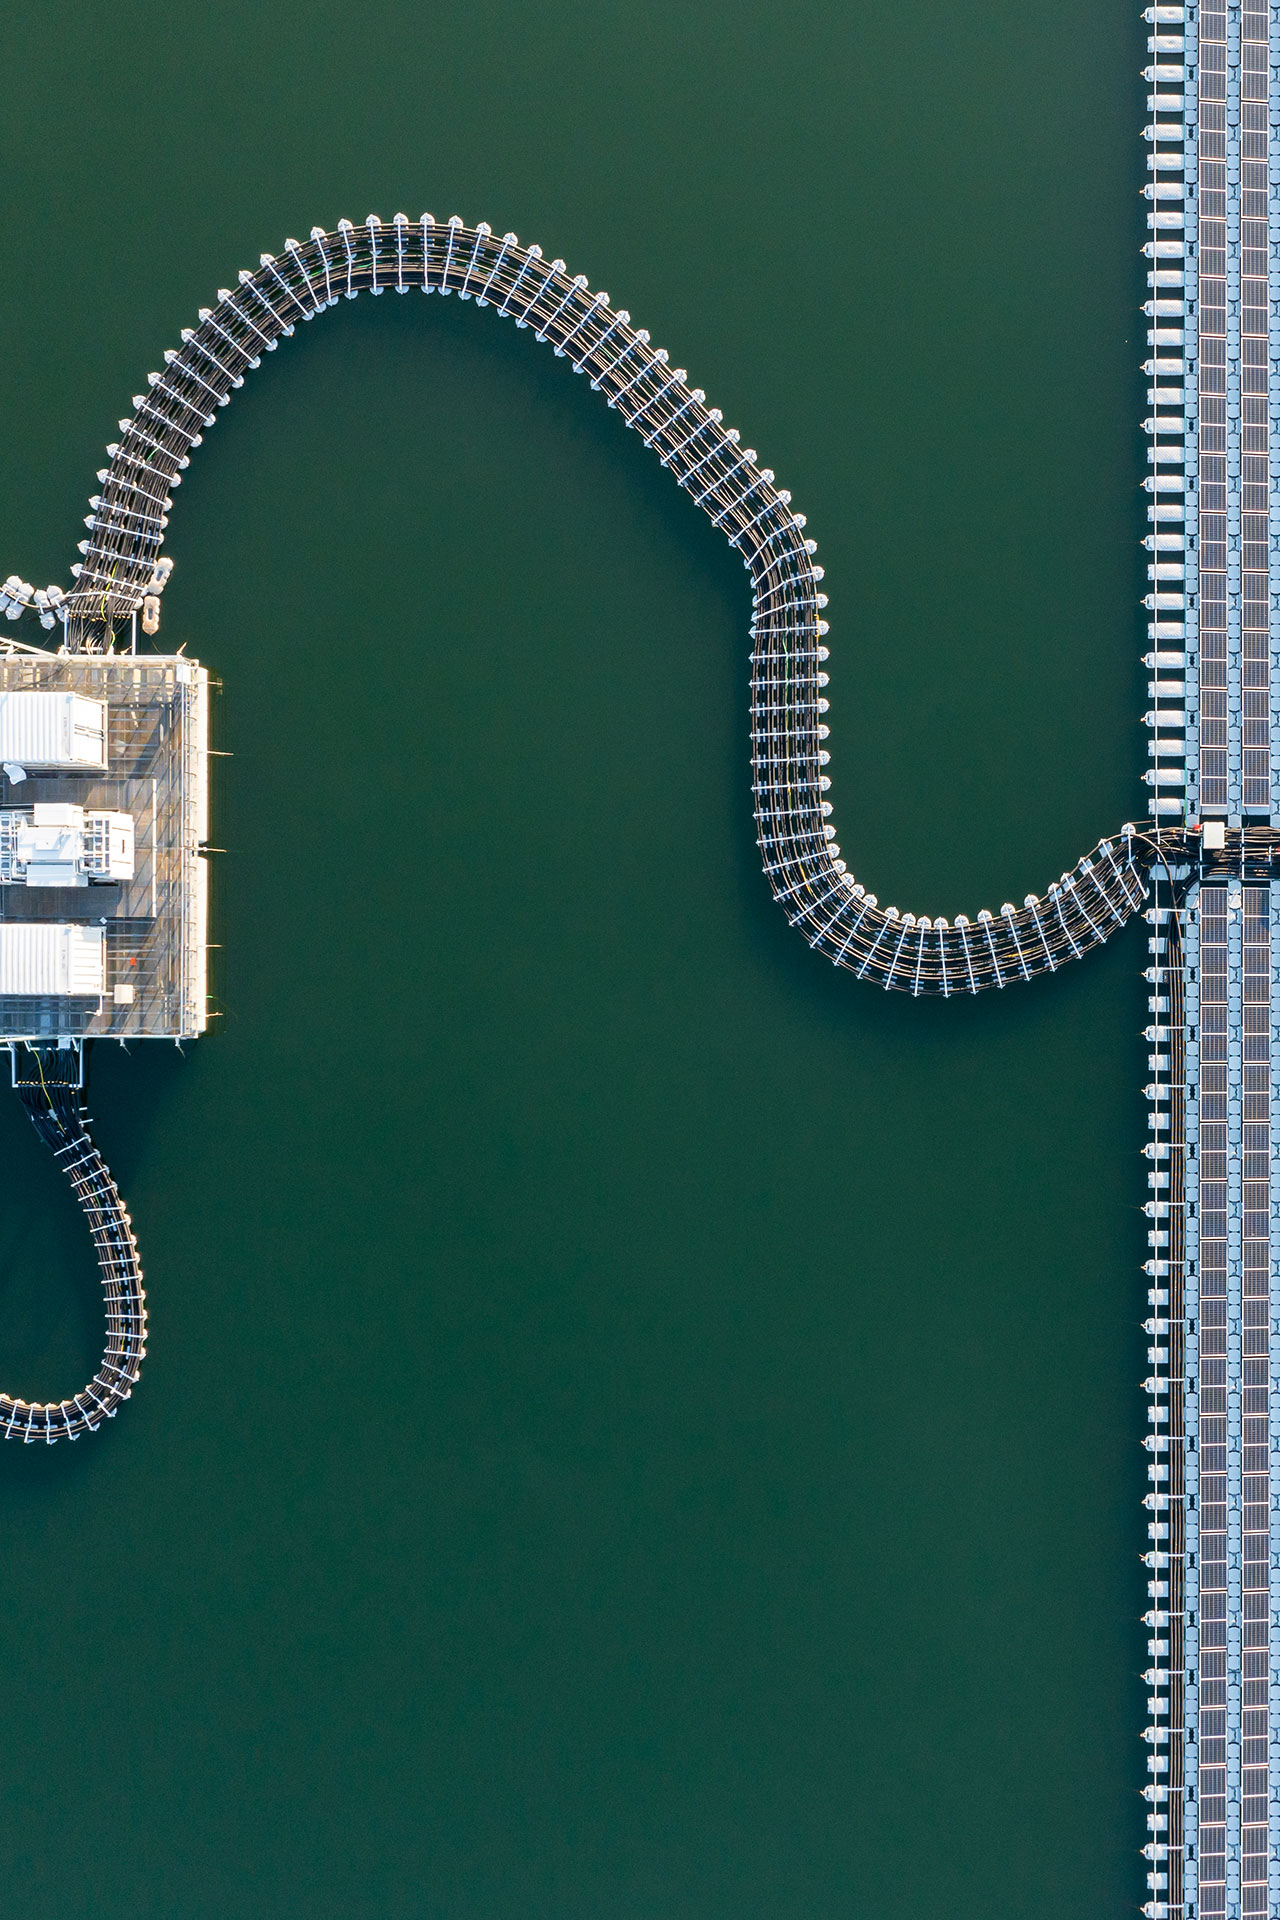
{"points": [[103, 823], [58, 844], [46, 729]]}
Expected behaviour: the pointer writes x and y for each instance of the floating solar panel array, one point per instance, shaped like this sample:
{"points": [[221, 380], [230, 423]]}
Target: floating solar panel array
{"points": [[1213, 1730]]}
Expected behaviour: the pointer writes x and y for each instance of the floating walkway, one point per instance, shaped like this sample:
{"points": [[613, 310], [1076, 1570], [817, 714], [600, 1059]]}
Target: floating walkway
{"points": [[49, 1082], [122, 572]]}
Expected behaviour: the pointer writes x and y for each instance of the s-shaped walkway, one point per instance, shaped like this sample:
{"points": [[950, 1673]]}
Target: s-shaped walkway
{"points": [[798, 847]]}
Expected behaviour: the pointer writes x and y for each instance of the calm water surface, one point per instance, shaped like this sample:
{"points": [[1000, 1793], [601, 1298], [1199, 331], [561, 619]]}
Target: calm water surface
{"points": [[636, 1425]]}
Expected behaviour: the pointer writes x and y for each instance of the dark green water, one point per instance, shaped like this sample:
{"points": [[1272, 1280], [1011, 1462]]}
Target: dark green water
{"points": [[637, 1425]]}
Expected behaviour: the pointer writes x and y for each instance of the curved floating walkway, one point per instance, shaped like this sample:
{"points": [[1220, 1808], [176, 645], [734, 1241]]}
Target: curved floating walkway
{"points": [[48, 1081], [122, 571], [797, 841]]}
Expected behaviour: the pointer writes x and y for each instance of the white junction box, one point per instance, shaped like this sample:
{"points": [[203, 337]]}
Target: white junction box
{"points": [[62, 729], [52, 959]]}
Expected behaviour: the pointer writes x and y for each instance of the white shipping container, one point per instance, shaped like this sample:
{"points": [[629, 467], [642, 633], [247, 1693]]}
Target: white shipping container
{"points": [[38, 957], [52, 730]]}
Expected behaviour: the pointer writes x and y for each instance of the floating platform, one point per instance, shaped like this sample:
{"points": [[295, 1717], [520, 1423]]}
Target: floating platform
{"points": [[110, 954]]}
